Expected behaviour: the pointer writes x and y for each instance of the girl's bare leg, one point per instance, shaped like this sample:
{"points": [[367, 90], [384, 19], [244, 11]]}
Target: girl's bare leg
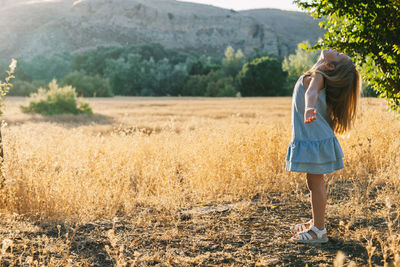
{"points": [[315, 183]]}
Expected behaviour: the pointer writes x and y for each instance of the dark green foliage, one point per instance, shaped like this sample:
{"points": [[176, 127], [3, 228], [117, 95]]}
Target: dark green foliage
{"points": [[42, 68], [369, 31], [232, 62], [125, 75], [369, 92], [56, 100], [261, 77], [139, 77], [163, 78], [219, 84], [94, 61], [195, 85], [19, 73], [202, 65], [25, 88], [88, 86], [215, 83]]}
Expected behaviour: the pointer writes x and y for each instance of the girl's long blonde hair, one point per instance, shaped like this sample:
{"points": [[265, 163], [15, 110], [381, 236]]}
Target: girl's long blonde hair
{"points": [[343, 91]]}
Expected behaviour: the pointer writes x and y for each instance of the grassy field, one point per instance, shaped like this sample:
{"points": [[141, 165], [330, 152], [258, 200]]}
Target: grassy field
{"points": [[190, 181]]}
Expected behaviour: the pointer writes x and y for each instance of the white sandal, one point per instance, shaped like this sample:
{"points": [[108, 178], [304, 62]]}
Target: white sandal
{"points": [[301, 227], [305, 237]]}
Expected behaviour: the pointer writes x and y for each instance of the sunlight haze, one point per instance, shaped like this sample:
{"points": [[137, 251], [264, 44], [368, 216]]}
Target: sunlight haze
{"points": [[244, 5]]}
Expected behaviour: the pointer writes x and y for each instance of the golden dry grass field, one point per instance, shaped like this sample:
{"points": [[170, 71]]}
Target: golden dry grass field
{"points": [[188, 182]]}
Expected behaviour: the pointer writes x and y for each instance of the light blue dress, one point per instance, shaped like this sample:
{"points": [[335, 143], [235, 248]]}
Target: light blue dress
{"points": [[313, 147]]}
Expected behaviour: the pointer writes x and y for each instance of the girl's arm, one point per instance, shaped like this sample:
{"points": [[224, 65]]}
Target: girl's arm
{"points": [[311, 96]]}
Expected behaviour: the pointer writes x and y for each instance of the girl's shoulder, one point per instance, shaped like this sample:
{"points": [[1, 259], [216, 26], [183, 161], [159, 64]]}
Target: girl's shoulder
{"points": [[317, 79]]}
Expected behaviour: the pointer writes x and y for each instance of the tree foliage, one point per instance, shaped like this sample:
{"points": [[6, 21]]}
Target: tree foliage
{"points": [[88, 86], [369, 31], [139, 77], [232, 62], [261, 77], [46, 68], [296, 64]]}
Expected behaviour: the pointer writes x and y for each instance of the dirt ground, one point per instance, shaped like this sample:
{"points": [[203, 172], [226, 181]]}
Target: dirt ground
{"points": [[248, 233]]}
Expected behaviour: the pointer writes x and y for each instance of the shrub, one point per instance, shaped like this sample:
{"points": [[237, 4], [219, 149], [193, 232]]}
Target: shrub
{"points": [[87, 86], [56, 100]]}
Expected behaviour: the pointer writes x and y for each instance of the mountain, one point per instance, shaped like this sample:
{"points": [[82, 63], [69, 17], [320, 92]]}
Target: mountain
{"points": [[43, 27]]}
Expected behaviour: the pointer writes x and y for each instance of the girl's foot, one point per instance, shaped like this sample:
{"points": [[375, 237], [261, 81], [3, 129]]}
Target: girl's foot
{"points": [[301, 227], [312, 235]]}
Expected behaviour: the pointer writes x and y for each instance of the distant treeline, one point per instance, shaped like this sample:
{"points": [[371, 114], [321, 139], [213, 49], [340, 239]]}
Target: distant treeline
{"points": [[152, 70]]}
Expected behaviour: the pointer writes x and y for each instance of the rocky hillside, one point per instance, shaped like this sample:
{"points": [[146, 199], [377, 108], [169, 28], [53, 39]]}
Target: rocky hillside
{"points": [[33, 27]]}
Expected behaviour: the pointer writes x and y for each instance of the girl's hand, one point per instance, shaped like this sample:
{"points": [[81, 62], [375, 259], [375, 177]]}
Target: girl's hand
{"points": [[310, 115]]}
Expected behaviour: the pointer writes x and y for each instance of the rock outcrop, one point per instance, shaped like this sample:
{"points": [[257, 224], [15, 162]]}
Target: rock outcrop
{"points": [[34, 27]]}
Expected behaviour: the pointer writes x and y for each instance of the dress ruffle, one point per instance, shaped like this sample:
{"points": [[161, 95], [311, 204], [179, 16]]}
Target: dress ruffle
{"points": [[314, 151]]}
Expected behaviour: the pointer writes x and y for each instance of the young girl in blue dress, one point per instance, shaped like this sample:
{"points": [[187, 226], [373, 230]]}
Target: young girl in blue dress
{"points": [[325, 101]]}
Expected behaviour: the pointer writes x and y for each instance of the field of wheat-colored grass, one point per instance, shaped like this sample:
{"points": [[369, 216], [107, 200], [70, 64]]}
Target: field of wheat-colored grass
{"points": [[174, 154]]}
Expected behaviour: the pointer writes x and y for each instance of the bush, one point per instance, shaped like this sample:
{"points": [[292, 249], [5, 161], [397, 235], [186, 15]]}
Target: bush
{"points": [[87, 86], [56, 100]]}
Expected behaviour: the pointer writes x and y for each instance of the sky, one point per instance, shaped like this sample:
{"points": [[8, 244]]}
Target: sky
{"points": [[249, 4]]}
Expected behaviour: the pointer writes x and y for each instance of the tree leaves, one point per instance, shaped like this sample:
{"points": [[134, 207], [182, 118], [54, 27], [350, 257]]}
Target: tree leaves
{"points": [[370, 32]]}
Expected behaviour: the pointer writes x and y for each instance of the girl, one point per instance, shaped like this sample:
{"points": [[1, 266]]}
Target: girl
{"points": [[325, 100]]}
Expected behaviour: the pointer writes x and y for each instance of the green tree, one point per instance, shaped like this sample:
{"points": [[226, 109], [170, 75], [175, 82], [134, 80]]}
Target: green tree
{"points": [[136, 76], [195, 85], [94, 61], [369, 31], [218, 84], [163, 78], [88, 86], [232, 62], [202, 65], [261, 77], [296, 64], [25, 88], [46, 68], [125, 76]]}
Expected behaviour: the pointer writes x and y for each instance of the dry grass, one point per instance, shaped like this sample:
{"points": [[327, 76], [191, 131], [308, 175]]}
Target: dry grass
{"points": [[112, 189]]}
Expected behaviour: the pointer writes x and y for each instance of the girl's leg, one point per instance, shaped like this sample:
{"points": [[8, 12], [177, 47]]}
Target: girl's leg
{"points": [[315, 183]]}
